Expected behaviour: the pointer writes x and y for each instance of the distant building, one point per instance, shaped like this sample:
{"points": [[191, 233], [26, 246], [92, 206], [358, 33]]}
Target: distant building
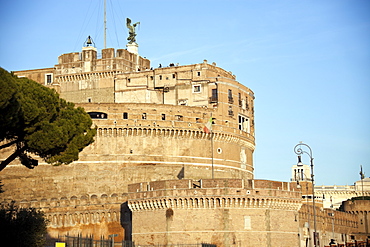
{"points": [[334, 195], [331, 196], [361, 209]]}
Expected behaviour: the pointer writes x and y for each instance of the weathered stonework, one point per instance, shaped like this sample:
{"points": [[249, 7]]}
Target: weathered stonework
{"points": [[360, 209], [229, 212], [152, 129], [152, 154], [226, 212]]}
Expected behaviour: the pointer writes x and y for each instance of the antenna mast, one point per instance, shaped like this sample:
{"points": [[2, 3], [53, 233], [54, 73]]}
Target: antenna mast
{"points": [[105, 24]]}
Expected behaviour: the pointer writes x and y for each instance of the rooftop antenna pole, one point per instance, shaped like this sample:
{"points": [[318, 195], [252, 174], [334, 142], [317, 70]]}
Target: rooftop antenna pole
{"points": [[105, 24]]}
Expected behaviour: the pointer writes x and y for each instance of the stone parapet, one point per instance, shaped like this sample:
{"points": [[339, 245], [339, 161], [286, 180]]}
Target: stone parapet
{"points": [[210, 194], [226, 212]]}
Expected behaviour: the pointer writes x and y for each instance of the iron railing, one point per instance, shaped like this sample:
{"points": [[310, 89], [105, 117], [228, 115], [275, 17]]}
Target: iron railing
{"points": [[89, 241]]}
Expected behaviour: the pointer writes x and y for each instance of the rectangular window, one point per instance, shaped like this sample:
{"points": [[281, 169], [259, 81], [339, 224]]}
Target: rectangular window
{"points": [[244, 123], [173, 76], [214, 96], [198, 73], [231, 112], [240, 100], [163, 116], [247, 223], [125, 115], [143, 116], [48, 79], [230, 96], [214, 93], [196, 88]]}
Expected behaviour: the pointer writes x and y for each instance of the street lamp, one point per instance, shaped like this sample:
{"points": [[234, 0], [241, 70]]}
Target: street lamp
{"points": [[308, 240], [299, 151]]}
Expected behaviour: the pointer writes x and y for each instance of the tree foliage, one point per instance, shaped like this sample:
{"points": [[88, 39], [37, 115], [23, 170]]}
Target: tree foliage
{"points": [[36, 121], [22, 226]]}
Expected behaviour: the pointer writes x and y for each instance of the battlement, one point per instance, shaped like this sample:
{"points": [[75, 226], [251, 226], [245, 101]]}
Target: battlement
{"points": [[221, 183], [110, 59], [209, 193]]}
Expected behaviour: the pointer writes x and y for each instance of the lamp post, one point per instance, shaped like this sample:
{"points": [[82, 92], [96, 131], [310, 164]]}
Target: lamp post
{"points": [[299, 151], [308, 240]]}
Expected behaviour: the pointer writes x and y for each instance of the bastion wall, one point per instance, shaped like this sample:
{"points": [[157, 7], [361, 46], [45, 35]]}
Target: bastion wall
{"points": [[232, 212]]}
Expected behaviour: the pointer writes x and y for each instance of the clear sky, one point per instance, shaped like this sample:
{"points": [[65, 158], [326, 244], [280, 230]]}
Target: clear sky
{"points": [[307, 61]]}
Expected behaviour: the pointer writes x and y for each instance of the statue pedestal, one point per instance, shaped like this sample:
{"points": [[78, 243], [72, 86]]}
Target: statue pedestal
{"points": [[133, 48]]}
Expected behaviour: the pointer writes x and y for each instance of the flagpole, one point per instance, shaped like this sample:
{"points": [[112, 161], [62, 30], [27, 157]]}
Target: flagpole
{"points": [[105, 24], [208, 130], [213, 175], [362, 176]]}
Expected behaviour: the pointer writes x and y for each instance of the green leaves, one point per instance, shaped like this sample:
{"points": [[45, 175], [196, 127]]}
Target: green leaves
{"points": [[44, 124], [9, 106], [22, 226]]}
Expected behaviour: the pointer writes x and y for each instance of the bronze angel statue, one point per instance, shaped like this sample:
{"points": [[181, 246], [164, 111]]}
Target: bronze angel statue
{"points": [[131, 30]]}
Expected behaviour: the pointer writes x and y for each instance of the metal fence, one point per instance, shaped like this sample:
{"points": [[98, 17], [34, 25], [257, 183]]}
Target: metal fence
{"points": [[89, 241], [177, 245], [79, 241]]}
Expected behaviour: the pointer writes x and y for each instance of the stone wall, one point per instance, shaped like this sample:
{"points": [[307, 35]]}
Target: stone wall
{"points": [[360, 209], [330, 224], [230, 212]]}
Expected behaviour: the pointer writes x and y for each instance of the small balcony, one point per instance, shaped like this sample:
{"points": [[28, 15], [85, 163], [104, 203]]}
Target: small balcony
{"points": [[213, 100], [231, 100]]}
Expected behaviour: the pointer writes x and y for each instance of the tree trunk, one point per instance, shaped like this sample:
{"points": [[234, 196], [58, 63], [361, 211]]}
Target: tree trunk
{"points": [[12, 157], [8, 144]]}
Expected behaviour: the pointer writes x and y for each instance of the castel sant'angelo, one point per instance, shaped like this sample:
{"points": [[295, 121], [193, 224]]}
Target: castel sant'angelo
{"points": [[172, 160]]}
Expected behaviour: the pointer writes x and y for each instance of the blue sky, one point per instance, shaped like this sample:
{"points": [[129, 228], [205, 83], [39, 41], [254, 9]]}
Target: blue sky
{"points": [[308, 63]]}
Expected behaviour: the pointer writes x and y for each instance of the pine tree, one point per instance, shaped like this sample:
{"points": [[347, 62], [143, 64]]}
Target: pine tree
{"points": [[36, 121]]}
